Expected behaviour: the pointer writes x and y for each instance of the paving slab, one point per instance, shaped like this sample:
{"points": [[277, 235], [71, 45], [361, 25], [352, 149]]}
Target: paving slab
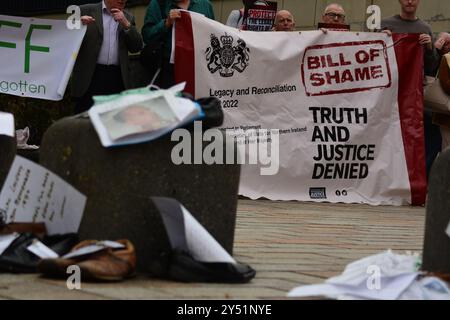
{"points": [[287, 243]]}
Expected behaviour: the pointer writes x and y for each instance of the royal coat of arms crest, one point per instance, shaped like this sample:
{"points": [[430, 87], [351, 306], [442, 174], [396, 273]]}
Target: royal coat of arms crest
{"points": [[222, 56]]}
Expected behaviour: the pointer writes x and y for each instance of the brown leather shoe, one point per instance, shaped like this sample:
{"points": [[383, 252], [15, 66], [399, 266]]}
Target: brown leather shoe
{"points": [[38, 229], [106, 265]]}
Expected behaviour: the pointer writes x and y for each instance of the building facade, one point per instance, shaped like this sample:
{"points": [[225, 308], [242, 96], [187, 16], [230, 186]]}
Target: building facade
{"points": [[307, 13]]}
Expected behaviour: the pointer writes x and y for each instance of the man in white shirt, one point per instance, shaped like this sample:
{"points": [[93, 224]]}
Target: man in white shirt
{"points": [[102, 65]]}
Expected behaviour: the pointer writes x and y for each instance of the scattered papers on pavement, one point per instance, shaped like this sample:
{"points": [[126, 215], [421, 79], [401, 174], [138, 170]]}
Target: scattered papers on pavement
{"points": [[385, 276]]}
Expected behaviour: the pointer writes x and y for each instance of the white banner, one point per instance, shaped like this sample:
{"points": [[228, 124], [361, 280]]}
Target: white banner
{"points": [[333, 98], [37, 56]]}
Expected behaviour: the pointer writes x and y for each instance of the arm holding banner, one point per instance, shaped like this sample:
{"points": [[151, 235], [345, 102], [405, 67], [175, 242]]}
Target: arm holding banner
{"points": [[431, 56], [154, 28]]}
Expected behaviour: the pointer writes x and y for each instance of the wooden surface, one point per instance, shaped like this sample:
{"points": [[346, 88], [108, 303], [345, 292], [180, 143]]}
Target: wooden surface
{"points": [[288, 243]]}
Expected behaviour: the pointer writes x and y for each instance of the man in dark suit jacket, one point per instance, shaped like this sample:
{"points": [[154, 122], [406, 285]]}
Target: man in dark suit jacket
{"points": [[102, 65]]}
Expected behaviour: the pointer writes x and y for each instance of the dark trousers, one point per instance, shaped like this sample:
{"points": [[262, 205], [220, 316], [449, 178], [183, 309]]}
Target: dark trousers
{"points": [[106, 80], [168, 76]]}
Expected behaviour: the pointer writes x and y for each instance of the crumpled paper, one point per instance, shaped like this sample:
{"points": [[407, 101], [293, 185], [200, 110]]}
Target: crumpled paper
{"points": [[22, 136], [385, 276]]}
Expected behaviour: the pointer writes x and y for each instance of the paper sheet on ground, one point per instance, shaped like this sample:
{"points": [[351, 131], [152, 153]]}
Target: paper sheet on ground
{"points": [[187, 234], [390, 289], [381, 276], [201, 243]]}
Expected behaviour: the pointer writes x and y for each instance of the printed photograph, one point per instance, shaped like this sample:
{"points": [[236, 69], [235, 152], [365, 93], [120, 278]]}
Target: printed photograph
{"points": [[146, 116]]}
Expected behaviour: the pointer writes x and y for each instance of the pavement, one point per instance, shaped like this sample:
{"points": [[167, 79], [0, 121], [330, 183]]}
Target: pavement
{"points": [[287, 243]]}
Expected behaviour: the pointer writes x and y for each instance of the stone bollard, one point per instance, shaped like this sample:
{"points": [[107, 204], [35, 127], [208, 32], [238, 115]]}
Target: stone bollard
{"points": [[119, 182], [436, 249], [7, 154]]}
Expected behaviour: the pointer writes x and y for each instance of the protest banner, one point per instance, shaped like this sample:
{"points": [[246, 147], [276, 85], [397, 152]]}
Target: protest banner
{"points": [[37, 56], [348, 107]]}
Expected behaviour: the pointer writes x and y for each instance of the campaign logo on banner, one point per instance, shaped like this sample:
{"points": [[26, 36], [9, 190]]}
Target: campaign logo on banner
{"points": [[37, 56], [347, 107]]}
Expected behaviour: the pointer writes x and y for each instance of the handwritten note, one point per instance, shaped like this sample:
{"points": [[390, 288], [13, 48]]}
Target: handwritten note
{"points": [[31, 193]]}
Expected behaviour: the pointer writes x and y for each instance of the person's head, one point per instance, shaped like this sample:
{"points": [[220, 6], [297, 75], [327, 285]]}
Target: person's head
{"points": [[284, 21], [409, 8], [442, 43], [334, 14], [137, 115], [248, 3], [115, 4]]}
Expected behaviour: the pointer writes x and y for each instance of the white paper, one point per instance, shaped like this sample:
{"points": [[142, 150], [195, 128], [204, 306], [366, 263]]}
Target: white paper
{"points": [[32, 193], [448, 230], [327, 290], [387, 263], [6, 240], [41, 250], [99, 246], [382, 276], [172, 53], [6, 124], [111, 244], [140, 115], [428, 288], [390, 289], [84, 251], [201, 244]]}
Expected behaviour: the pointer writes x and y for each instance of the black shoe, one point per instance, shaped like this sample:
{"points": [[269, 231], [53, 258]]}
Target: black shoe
{"points": [[181, 266], [17, 259]]}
